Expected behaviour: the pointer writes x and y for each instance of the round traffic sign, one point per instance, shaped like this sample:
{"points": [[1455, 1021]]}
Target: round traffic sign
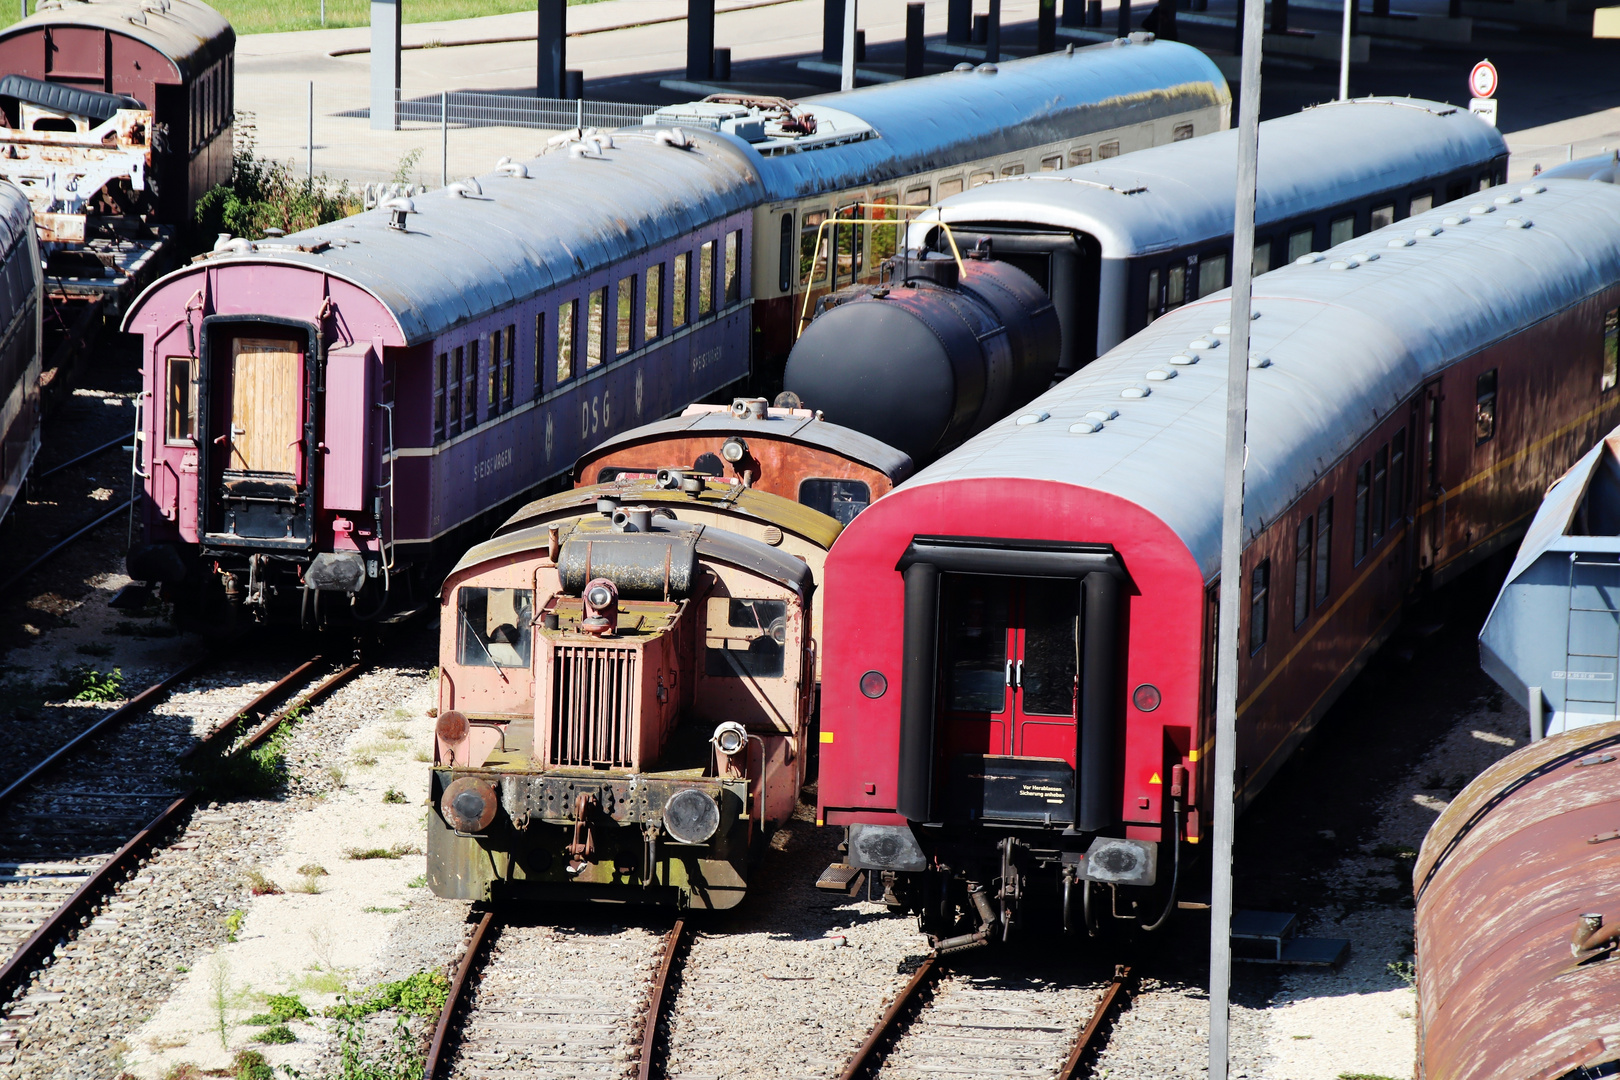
{"points": [[1482, 80]]}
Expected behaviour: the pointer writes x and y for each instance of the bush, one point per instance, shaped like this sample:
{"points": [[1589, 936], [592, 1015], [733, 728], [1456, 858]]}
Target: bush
{"points": [[88, 684], [264, 194], [422, 994], [281, 1033]]}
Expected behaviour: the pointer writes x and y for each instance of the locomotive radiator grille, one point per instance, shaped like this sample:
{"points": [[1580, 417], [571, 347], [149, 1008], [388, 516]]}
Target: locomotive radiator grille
{"points": [[593, 709]]}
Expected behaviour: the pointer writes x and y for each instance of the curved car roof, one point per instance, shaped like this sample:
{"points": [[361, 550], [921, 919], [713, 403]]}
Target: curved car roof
{"points": [[191, 34], [923, 124], [1182, 193], [807, 431], [16, 217], [717, 496], [1346, 347]]}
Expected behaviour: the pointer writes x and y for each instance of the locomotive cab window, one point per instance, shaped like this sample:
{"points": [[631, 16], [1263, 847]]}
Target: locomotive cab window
{"points": [[1611, 349], [181, 425], [494, 628], [1485, 407], [840, 499], [745, 638]]}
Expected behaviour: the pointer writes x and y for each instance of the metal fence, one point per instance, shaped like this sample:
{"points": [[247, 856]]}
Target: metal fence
{"points": [[463, 109]]}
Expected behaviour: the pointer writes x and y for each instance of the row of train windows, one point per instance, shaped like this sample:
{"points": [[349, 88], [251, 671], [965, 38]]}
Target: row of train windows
{"points": [[818, 236], [1185, 281], [211, 103], [606, 328]]}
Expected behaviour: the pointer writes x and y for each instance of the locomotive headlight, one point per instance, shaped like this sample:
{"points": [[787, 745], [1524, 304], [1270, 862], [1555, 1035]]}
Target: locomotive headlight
{"points": [[691, 816], [734, 449], [599, 597], [729, 738]]}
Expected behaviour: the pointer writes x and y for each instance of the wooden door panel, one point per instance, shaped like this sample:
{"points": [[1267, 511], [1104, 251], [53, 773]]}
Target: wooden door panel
{"points": [[266, 406]]}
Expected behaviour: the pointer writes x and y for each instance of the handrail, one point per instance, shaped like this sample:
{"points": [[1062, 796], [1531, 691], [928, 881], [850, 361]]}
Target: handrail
{"points": [[804, 310]]}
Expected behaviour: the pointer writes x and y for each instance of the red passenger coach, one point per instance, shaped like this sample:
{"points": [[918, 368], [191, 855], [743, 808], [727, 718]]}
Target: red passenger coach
{"points": [[1019, 669]]}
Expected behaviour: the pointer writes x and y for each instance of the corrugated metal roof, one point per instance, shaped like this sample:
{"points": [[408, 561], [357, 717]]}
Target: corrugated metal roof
{"points": [[925, 124], [835, 438], [191, 34], [1346, 347], [1183, 193]]}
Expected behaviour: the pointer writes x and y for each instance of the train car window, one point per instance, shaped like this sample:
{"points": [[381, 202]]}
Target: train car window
{"points": [[1456, 190], [705, 278], [1342, 229], [595, 327], [1485, 407], [469, 388], [1421, 203], [680, 290], [539, 353], [885, 238], [1180, 132], [1262, 257], [508, 363], [734, 264], [1175, 289], [1152, 295], [452, 424], [1485, 182], [1046, 678], [1259, 605], [1211, 274], [813, 248], [784, 255], [1397, 479], [1300, 241], [182, 395], [492, 378], [1108, 149], [1611, 349], [848, 244], [494, 630], [973, 622], [1380, 495], [1359, 527], [950, 187], [567, 339], [1381, 216], [1304, 542], [918, 196], [625, 316], [840, 499], [1324, 552], [746, 638], [441, 368], [1052, 164], [1080, 155], [978, 178], [652, 304], [1016, 169], [1434, 442]]}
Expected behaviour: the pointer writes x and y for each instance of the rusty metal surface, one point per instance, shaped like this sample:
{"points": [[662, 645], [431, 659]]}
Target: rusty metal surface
{"points": [[1117, 996], [434, 1066], [869, 1057], [1504, 877], [675, 943]]}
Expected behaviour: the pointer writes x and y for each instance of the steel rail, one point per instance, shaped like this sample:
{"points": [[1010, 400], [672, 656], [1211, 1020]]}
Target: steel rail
{"points": [[436, 1059], [658, 1000], [60, 545], [88, 454], [869, 1056], [1118, 994], [17, 971]]}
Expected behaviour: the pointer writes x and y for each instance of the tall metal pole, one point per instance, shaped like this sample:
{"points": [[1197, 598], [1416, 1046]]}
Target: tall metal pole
{"points": [[444, 138], [312, 135], [1232, 530], [847, 81], [1344, 52]]}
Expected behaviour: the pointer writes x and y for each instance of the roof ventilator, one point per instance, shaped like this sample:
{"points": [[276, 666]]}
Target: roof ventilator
{"points": [[1517, 223], [1457, 219], [1085, 427], [1259, 361], [1306, 260], [1160, 375], [1183, 359], [227, 246], [1401, 242], [673, 137], [1135, 392], [1429, 230], [516, 169], [398, 210], [1482, 209], [1033, 418]]}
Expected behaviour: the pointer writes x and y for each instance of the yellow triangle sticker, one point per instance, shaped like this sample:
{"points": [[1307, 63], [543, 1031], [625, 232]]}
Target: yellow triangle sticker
{"points": [[1156, 779]]}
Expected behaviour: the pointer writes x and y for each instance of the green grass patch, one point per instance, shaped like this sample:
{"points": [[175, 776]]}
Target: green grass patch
{"points": [[394, 795], [422, 994], [249, 1065], [394, 852], [281, 1033], [417, 882], [88, 684], [382, 910], [274, 16], [233, 924]]}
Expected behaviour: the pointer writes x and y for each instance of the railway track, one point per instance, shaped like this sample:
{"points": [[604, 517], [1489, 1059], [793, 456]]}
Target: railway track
{"points": [[67, 839], [548, 1001], [958, 1025]]}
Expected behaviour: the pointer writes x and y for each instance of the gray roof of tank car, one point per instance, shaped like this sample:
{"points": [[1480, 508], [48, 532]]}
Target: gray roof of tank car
{"points": [[1346, 347], [1182, 193]]}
